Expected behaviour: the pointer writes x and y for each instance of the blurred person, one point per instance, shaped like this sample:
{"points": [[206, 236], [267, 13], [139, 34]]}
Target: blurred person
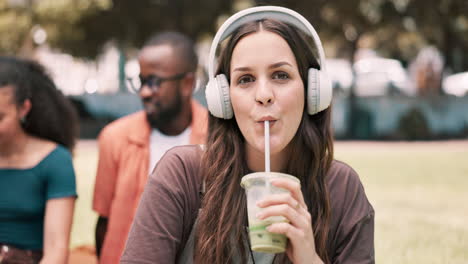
{"points": [[38, 129], [426, 70], [193, 209], [131, 146]]}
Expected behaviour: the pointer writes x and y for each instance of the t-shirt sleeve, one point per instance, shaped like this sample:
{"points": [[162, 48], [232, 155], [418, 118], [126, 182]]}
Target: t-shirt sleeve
{"points": [[106, 175], [60, 175], [165, 214], [353, 220]]}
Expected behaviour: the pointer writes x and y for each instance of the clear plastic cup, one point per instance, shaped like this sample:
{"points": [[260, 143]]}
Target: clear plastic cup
{"points": [[256, 188]]}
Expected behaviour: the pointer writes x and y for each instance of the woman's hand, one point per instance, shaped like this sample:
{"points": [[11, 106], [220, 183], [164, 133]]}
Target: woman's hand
{"points": [[301, 247]]}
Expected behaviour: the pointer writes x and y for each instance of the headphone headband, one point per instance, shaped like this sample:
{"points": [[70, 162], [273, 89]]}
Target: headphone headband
{"points": [[258, 13]]}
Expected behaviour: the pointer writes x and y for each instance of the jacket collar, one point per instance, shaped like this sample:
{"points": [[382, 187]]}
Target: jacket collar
{"points": [[139, 130]]}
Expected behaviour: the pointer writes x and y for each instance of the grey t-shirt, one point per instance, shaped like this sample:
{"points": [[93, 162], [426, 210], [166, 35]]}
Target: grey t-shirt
{"points": [[171, 200]]}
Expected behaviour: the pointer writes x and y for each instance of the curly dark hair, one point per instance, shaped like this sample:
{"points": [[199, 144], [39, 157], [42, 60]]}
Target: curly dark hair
{"points": [[52, 116]]}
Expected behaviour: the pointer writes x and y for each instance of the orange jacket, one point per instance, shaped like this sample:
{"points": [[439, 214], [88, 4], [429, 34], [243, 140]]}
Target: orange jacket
{"points": [[122, 173]]}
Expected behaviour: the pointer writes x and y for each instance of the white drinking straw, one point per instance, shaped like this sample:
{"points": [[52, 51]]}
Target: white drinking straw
{"points": [[267, 156], [267, 146]]}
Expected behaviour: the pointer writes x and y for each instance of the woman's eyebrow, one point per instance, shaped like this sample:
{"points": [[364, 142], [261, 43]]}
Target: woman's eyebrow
{"points": [[272, 66], [242, 69], [279, 64]]}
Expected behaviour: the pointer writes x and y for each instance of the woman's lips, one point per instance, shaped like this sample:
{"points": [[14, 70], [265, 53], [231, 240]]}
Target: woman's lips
{"points": [[262, 123]]}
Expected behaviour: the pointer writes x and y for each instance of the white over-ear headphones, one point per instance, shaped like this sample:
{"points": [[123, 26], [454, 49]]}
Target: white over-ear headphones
{"points": [[319, 89]]}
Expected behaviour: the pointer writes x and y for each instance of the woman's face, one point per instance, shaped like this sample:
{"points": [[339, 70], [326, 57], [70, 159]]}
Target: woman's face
{"points": [[9, 115], [266, 85]]}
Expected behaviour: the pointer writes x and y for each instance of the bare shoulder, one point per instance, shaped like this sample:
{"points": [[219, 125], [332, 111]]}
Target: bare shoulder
{"points": [[39, 148]]}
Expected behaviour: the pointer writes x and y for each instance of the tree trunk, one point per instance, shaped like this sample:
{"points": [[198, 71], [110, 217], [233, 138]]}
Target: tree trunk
{"points": [[352, 128]]}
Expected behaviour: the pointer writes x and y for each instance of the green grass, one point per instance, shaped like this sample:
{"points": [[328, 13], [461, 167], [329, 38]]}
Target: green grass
{"points": [[85, 161], [419, 192]]}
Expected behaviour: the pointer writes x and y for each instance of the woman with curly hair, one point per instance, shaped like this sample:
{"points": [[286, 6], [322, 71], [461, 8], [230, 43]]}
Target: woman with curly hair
{"points": [[38, 129]]}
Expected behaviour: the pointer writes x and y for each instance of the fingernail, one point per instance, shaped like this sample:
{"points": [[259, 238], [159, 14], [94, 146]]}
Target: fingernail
{"points": [[274, 182], [259, 216]]}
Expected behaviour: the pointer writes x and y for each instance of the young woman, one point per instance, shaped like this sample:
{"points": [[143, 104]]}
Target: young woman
{"points": [[266, 64], [38, 128]]}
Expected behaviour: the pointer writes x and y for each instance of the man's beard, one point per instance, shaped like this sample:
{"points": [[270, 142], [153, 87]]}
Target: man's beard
{"points": [[166, 115]]}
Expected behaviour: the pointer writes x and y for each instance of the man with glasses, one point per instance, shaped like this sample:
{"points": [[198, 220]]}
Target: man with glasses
{"points": [[130, 147]]}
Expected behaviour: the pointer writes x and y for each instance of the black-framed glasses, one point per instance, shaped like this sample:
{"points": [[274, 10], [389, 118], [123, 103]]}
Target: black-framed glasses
{"points": [[152, 81]]}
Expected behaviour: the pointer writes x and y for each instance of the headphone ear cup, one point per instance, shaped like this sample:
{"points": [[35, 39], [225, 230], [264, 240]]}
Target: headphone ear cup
{"points": [[325, 91], [313, 92], [319, 91], [225, 99], [212, 98], [217, 97]]}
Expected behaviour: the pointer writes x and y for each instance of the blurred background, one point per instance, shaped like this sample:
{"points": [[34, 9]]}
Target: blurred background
{"points": [[399, 67], [400, 75]]}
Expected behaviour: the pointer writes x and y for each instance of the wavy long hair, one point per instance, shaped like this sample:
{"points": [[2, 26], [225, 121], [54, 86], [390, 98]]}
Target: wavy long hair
{"points": [[52, 116], [221, 231]]}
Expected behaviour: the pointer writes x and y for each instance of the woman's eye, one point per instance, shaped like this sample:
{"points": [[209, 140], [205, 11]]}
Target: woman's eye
{"points": [[245, 79], [280, 76]]}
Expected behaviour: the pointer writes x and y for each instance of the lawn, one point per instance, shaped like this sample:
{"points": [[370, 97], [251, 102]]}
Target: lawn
{"points": [[419, 192]]}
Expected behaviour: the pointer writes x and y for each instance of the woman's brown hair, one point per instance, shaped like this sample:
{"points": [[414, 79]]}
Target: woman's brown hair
{"points": [[221, 231]]}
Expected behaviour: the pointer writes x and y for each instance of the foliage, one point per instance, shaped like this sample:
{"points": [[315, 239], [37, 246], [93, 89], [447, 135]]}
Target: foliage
{"points": [[20, 18], [413, 126], [396, 28], [444, 24], [130, 23], [83, 27]]}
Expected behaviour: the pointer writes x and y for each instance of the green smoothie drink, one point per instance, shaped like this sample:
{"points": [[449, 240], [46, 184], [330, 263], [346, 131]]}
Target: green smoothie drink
{"points": [[264, 241], [257, 186]]}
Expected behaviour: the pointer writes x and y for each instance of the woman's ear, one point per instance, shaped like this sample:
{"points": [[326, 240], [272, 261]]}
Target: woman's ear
{"points": [[25, 108]]}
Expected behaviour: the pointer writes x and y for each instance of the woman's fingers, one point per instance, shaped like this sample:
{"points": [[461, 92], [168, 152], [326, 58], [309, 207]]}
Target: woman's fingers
{"points": [[300, 240], [297, 217], [291, 205], [283, 198], [292, 186], [287, 229]]}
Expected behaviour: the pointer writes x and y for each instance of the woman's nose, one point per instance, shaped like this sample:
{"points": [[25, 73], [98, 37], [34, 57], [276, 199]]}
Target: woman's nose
{"points": [[264, 93]]}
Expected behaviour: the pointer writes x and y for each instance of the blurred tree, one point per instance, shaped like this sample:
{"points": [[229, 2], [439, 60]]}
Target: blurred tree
{"points": [[82, 27], [444, 24], [398, 28], [25, 23], [346, 22], [130, 23]]}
